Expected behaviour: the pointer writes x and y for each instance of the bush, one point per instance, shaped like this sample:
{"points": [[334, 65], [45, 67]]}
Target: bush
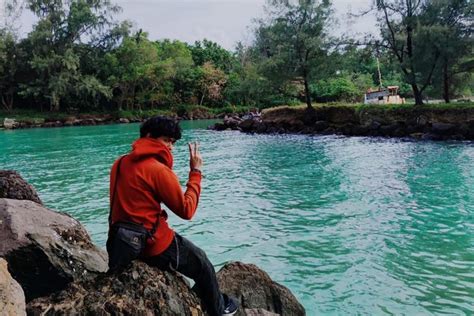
{"points": [[335, 89]]}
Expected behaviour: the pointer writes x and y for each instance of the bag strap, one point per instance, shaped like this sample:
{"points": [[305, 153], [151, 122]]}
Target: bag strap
{"points": [[112, 200], [117, 173]]}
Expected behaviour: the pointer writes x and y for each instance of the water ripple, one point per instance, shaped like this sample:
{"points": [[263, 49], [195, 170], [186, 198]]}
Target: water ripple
{"points": [[353, 226]]}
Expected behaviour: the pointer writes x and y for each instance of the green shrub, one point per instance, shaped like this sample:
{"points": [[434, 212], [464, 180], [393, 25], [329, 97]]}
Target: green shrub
{"points": [[335, 89]]}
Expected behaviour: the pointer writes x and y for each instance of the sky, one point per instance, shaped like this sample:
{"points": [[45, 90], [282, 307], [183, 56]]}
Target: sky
{"points": [[223, 21]]}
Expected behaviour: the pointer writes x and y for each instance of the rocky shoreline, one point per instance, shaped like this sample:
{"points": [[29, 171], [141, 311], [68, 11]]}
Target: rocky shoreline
{"points": [[417, 123], [91, 120], [49, 266]]}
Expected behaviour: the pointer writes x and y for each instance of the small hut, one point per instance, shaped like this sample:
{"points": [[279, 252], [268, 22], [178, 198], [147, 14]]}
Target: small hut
{"points": [[388, 95]]}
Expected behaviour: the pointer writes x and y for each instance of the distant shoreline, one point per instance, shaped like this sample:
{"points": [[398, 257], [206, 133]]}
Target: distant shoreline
{"points": [[426, 122], [25, 119]]}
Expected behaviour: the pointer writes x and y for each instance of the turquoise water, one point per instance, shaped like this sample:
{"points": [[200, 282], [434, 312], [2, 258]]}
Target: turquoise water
{"points": [[353, 226]]}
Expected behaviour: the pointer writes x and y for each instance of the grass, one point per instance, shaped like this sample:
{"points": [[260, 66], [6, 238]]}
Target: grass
{"points": [[410, 106], [383, 107], [142, 114], [32, 115]]}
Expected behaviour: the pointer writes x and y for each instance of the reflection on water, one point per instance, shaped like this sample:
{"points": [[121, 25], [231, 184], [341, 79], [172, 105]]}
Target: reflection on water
{"points": [[350, 225]]}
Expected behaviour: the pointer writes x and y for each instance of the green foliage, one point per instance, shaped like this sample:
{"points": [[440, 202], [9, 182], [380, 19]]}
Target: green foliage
{"points": [[8, 69], [427, 38], [78, 58], [132, 71], [336, 89], [292, 41], [210, 52]]}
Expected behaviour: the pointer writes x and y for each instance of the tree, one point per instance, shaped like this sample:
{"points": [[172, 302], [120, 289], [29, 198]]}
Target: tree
{"points": [[211, 83], [8, 69], [292, 40], [409, 41], [451, 27], [54, 46], [179, 74], [208, 51], [10, 11], [131, 70], [245, 84]]}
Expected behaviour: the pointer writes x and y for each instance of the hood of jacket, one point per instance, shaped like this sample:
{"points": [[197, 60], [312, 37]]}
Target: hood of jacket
{"points": [[147, 147]]}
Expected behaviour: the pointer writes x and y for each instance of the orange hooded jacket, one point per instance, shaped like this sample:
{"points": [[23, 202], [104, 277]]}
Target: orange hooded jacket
{"points": [[145, 181]]}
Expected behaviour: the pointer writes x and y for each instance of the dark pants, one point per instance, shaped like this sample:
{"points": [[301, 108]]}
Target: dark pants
{"points": [[186, 258]]}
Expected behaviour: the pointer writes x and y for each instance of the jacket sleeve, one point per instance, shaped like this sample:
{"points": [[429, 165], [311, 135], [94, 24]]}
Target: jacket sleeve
{"points": [[169, 191]]}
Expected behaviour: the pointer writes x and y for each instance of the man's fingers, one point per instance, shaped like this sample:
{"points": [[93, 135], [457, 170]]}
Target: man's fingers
{"points": [[190, 149], [196, 148]]}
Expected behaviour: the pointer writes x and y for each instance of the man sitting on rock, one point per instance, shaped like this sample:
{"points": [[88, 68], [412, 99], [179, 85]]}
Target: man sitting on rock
{"points": [[144, 181]]}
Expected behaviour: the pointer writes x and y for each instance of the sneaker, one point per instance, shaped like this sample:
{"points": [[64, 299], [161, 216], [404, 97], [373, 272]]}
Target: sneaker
{"points": [[231, 305]]}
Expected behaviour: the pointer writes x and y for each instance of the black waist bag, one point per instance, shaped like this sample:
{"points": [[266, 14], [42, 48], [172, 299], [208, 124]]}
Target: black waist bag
{"points": [[125, 243]]}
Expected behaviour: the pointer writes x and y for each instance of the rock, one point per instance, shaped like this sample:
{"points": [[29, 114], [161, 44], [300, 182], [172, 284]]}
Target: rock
{"points": [[137, 290], [10, 123], [124, 120], [77, 122], [12, 186], [89, 122], [422, 120], [329, 131], [417, 135], [442, 128], [260, 127], [219, 127], [338, 115], [53, 124], [232, 122], [247, 125], [12, 298], [272, 130], [374, 125], [46, 250], [255, 289], [388, 130], [143, 290], [295, 127], [258, 312], [429, 136], [360, 130], [320, 126]]}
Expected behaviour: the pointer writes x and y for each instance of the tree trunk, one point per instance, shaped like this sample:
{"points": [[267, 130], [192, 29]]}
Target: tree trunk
{"points": [[7, 102], [306, 90], [445, 81], [202, 99], [418, 95], [416, 91]]}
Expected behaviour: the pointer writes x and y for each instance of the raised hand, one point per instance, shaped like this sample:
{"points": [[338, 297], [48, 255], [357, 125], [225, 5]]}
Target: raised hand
{"points": [[195, 159]]}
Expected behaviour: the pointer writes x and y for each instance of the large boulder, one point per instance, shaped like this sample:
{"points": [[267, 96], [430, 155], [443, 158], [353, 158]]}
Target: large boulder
{"points": [[255, 290], [137, 290], [12, 298], [12, 186], [143, 290], [46, 250]]}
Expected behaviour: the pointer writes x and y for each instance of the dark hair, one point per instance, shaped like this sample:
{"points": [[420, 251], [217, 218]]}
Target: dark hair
{"points": [[161, 126]]}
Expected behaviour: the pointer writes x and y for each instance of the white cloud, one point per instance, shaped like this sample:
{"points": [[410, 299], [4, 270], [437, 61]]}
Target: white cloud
{"points": [[222, 21]]}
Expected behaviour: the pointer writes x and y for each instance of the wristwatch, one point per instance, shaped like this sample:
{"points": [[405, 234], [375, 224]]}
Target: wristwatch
{"points": [[196, 170]]}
